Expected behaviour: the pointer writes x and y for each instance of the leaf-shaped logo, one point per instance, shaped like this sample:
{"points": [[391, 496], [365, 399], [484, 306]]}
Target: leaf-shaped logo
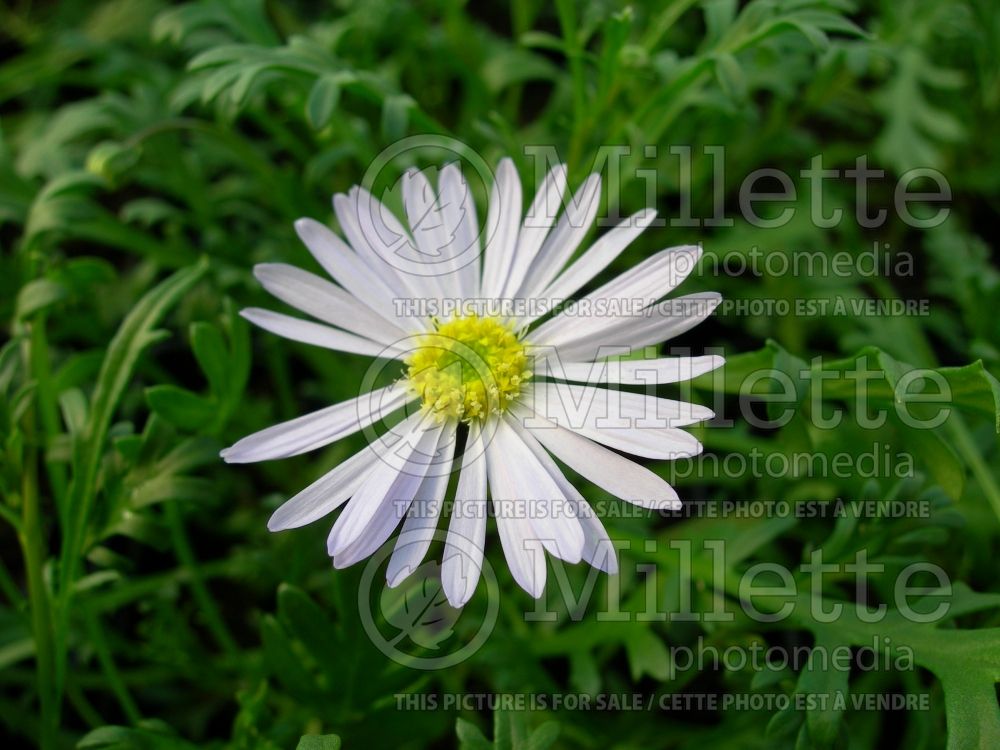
{"points": [[419, 608]]}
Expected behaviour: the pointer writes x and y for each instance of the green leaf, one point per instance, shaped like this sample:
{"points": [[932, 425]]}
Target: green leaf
{"points": [[284, 661], [38, 295], [419, 608], [821, 677], [209, 346], [933, 452], [180, 407], [73, 405], [307, 622], [134, 334], [396, 116], [470, 737], [323, 100], [544, 736], [154, 736], [647, 655], [730, 75], [319, 742]]}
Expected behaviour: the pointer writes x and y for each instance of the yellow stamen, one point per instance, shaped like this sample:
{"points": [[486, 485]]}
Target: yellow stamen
{"points": [[468, 368]]}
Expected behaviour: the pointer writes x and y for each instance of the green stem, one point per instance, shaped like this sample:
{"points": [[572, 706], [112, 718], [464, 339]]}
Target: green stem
{"points": [[574, 55], [32, 539], [664, 22], [48, 409], [209, 610], [110, 669]]}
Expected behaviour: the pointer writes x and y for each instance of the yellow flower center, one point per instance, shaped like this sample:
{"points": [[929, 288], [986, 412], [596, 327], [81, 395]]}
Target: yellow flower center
{"points": [[468, 368]]}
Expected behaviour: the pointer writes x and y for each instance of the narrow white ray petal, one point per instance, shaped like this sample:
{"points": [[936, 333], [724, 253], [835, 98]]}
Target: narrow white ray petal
{"points": [[539, 221], [587, 339], [466, 541], [432, 236], [597, 547], [561, 243], [632, 436], [326, 494], [422, 517], [368, 248], [391, 486], [611, 472], [607, 247], [553, 520], [641, 286], [317, 334], [503, 222], [320, 428], [574, 405], [459, 209], [351, 272], [630, 371], [376, 533], [326, 301], [524, 553], [383, 243], [418, 276], [524, 484], [395, 504]]}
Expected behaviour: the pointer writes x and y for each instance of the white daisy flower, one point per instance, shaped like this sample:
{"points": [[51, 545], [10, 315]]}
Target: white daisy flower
{"points": [[516, 396]]}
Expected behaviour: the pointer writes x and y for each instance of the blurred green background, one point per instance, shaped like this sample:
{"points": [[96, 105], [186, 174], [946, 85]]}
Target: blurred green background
{"points": [[151, 153]]}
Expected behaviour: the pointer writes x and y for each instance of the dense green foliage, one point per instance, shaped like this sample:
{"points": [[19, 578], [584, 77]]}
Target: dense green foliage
{"points": [[151, 154]]}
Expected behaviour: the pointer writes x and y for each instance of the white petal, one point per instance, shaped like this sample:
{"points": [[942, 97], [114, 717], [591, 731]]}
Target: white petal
{"points": [[503, 221], [466, 540], [326, 494], [375, 534], [422, 518], [537, 224], [459, 209], [326, 301], [519, 481], [607, 247], [317, 334], [385, 245], [320, 428], [587, 339], [576, 406], [559, 246], [372, 250], [630, 371], [641, 285], [663, 443], [524, 553], [611, 472], [597, 547], [390, 487], [430, 233], [352, 273]]}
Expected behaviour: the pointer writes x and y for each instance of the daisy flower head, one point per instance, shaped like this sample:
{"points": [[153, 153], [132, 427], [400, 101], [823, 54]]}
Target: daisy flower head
{"points": [[498, 381]]}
